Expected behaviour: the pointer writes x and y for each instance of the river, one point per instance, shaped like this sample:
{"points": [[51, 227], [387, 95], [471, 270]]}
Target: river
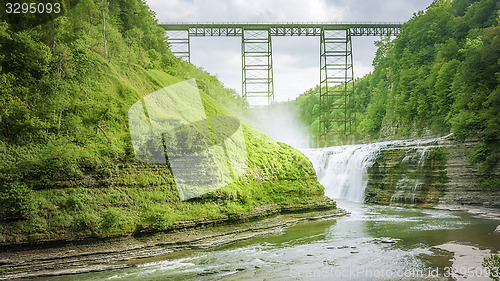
{"points": [[373, 242]]}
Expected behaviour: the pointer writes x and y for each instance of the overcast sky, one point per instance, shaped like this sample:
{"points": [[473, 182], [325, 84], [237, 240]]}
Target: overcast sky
{"points": [[295, 59]]}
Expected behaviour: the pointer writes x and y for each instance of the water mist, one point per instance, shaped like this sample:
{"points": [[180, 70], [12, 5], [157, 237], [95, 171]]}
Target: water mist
{"points": [[280, 122]]}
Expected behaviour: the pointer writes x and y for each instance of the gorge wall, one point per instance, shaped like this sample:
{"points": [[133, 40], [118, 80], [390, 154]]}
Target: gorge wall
{"points": [[427, 173]]}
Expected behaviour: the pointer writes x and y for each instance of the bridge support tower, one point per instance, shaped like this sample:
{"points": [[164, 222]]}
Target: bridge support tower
{"points": [[336, 95], [257, 67]]}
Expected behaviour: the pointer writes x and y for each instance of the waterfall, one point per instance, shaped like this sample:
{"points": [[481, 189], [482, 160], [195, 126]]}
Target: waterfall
{"points": [[342, 169]]}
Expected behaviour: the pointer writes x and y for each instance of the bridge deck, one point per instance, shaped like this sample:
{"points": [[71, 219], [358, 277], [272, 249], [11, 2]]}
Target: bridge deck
{"points": [[283, 29]]}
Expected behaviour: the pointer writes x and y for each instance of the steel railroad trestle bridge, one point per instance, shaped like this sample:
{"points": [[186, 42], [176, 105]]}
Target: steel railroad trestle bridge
{"points": [[336, 65]]}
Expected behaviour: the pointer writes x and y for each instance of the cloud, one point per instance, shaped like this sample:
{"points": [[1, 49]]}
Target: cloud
{"points": [[286, 10], [247, 11], [220, 56], [383, 10]]}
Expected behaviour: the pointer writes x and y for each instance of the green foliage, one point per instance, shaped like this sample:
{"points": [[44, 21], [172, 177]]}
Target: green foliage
{"points": [[56, 161], [67, 166], [482, 153], [115, 222], [486, 156], [16, 199], [492, 263], [439, 156]]}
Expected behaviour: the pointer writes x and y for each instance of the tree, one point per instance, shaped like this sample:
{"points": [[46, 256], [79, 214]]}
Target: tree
{"points": [[104, 6], [492, 263], [134, 37]]}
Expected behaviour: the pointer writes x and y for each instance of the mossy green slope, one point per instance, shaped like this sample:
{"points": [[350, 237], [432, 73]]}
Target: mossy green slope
{"points": [[68, 191], [67, 165]]}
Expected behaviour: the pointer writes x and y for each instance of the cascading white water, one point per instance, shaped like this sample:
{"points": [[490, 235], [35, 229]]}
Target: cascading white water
{"points": [[342, 169]]}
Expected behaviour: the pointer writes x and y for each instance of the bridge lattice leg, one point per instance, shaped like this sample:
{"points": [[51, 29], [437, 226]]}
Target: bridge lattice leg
{"points": [[257, 67], [179, 44], [336, 83]]}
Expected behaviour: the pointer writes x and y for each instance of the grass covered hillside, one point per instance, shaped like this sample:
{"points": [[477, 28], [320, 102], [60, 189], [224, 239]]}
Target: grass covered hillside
{"points": [[67, 166]]}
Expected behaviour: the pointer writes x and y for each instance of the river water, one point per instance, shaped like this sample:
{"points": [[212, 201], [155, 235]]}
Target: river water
{"points": [[371, 243]]}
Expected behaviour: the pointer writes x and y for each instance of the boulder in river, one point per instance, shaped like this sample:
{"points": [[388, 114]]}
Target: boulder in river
{"points": [[330, 261], [208, 272], [388, 240]]}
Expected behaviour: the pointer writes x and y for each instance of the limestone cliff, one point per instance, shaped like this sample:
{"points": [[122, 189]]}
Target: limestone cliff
{"points": [[427, 173]]}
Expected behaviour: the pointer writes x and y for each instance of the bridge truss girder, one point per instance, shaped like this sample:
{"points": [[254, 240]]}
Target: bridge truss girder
{"points": [[284, 29]]}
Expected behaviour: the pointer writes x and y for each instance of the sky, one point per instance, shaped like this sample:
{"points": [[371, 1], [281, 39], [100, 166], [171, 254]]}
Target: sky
{"points": [[295, 59]]}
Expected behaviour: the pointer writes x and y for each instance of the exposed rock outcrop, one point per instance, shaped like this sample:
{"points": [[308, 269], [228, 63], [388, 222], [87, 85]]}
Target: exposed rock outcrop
{"points": [[428, 173]]}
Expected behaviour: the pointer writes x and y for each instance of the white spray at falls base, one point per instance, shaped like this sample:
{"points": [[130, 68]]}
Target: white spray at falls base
{"points": [[342, 169]]}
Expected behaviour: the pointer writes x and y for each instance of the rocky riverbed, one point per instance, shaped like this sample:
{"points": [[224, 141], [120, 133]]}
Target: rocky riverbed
{"points": [[466, 261], [29, 261]]}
